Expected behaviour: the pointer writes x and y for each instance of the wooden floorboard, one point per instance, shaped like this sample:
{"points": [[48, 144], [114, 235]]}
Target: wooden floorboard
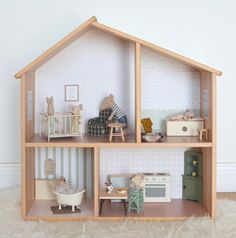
{"points": [[86, 141], [176, 208], [130, 141], [231, 196], [43, 208]]}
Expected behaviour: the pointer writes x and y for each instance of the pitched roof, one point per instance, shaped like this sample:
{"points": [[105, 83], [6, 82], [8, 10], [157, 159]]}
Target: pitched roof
{"points": [[92, 23]]}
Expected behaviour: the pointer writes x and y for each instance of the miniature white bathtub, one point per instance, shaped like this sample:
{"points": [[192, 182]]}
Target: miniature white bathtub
{"points": [[73, 200]]}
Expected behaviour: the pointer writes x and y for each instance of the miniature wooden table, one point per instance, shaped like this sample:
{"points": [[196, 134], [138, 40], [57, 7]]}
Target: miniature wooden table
{"points": [[104, 195]]}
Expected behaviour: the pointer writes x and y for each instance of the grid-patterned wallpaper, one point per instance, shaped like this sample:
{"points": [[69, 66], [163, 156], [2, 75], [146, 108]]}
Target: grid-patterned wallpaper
{"points": [[100, 64], [168, 87], [138, 160], [168, 84]]}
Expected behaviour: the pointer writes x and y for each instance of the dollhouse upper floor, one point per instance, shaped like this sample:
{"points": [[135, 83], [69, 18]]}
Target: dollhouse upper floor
{"points": [[146, 80]]}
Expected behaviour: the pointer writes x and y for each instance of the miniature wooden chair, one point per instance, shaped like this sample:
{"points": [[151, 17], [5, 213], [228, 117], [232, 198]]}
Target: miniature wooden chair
{"points": [[114, 127], [203, 134], [136, 200]]}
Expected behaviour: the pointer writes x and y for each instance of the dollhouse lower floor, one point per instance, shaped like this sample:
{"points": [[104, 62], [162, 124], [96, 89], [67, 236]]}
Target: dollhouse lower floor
{"points": [[90, 167], [177, 209]]}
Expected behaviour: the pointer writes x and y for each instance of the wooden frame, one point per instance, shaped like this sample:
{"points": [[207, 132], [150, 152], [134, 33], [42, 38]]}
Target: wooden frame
{"points": [[138, 91], [96, 181], [92, 23], [74, 88], [30, 141]]}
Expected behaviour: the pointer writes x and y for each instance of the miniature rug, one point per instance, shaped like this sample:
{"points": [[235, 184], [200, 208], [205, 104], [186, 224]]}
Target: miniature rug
{"points": [[11, 224], [64, 210]]}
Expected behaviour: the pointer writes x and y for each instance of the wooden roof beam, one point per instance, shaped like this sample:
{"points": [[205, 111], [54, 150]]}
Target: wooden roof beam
{"points": [[92, 22], [156, 48]]}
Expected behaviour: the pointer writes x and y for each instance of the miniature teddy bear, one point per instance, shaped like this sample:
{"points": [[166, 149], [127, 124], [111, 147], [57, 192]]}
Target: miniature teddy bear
{"points": [[147, 125], [109, 187], [109, 102], [76, 112]]}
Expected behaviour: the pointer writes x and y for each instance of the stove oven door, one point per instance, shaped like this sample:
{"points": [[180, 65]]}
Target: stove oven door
{"points": [[155, 192]]}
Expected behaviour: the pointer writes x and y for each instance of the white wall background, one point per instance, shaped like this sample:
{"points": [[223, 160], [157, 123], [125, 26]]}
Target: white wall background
{"points": [[202, 30]]}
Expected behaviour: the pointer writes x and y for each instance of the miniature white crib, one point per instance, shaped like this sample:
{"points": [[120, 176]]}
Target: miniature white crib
{"points": [[60, 125], [73, 200]]}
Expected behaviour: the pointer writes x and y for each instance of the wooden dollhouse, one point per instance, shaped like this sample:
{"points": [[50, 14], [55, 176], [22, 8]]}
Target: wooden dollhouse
{"points": [[132, 73]]}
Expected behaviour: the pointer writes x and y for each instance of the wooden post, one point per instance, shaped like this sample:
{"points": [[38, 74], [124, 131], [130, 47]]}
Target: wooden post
{"points": [[138, 91], [96, 181], [27, 154], [23, 140], [213, 175], [208, 83], [29, 112]]}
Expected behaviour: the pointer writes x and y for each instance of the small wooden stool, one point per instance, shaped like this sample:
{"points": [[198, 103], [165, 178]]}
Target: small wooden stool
{"points": [[203, 134], [114, 126]]}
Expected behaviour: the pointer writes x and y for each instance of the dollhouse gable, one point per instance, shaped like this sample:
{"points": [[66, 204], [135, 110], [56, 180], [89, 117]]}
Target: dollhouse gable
{"points": [[93, 24]]}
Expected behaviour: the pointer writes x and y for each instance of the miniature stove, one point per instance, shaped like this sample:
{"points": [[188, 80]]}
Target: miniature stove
{"points": [[157, 187], [157, 174]]}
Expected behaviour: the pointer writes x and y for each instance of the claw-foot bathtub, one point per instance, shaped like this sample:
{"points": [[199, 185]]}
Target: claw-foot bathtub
{"points": [[73, 200]]}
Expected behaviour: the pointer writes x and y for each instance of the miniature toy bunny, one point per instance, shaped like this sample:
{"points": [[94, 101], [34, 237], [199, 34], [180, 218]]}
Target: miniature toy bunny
{"points": [[116, 111], [50, 109], [109, 187]]}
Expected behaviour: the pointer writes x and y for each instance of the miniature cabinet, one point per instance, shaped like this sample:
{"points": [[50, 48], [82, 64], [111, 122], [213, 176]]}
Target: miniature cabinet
{"points": [[193, 164], [192, 178], [84, 153], [192, 188]]}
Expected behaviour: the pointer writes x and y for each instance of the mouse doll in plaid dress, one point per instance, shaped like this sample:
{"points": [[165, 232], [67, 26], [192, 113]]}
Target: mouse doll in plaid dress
{"points": [[109, 102]]}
